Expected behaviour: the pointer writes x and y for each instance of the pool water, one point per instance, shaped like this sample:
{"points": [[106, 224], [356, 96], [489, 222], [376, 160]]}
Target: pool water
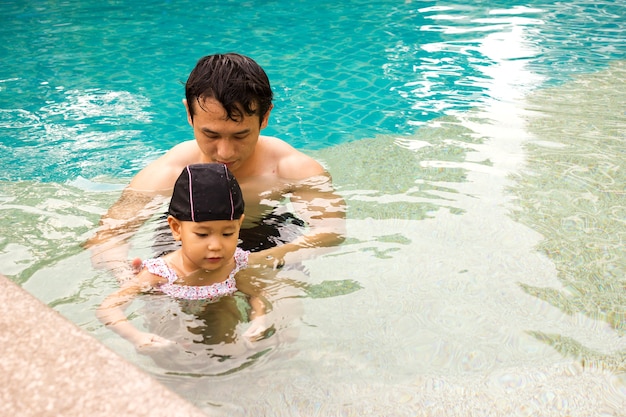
{"points": [[480, 149]]}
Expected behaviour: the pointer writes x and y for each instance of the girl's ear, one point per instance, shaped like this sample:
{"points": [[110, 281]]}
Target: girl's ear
{"points": [[241, 219], [175, 226]]}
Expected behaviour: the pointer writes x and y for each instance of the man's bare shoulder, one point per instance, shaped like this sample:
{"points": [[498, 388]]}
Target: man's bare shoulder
{"points": [[187, 152], [162, 173], [290, 163]]}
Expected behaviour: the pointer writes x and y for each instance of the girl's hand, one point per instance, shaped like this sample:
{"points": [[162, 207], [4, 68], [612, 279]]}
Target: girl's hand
{"points": [[148, 342], [256, 330]]}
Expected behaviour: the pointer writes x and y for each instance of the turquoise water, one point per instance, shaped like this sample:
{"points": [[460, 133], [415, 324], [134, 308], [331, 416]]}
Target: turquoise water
{"points": [[81, 80], [480, 149]]}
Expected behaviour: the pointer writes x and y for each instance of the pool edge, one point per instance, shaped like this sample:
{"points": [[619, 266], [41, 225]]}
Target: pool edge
{"points": [[49, 366]]}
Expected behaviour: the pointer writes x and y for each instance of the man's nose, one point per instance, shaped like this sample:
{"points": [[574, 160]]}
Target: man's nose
{"points": [[225, 150]]}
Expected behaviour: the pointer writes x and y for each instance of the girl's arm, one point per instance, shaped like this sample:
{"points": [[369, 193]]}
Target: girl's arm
{"points": [[259, 306], [111, 313]]}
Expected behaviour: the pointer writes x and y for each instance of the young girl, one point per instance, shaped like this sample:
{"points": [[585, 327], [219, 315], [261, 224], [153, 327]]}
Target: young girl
{"points": [[205, 214]]}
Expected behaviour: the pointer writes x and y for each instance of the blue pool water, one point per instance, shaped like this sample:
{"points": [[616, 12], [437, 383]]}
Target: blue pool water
{"points": [[480, 149], [83, 80]]}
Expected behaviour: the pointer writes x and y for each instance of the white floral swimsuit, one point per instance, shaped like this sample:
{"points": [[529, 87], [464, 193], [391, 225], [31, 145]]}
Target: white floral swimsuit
{"points": [[213, 292]]}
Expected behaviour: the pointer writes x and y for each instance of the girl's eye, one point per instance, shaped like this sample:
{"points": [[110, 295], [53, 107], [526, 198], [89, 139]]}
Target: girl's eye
{"points": [[201, 234], [228, 234]]}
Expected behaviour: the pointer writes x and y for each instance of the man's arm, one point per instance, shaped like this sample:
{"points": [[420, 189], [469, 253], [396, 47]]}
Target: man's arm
{"points": [[315, 201], [109, 245], [138, 202]]}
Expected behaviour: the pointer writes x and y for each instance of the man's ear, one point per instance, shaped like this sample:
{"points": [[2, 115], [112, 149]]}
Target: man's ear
{"points": [[189, 118], [175, 227], [266, 117]]}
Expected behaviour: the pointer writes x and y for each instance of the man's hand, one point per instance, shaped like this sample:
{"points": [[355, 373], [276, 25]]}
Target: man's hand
{"points": [[265, 259], [135, 264]]}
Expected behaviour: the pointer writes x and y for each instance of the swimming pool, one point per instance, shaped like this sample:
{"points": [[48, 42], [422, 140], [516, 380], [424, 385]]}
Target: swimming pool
{"points": [[480, 148]]}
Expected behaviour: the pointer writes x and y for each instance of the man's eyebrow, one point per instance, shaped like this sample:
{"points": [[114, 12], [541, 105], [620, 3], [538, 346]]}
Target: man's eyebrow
{"points": [[212, 132]]}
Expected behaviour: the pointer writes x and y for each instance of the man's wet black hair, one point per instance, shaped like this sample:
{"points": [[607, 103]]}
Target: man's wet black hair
{"points": [[236, 81]]}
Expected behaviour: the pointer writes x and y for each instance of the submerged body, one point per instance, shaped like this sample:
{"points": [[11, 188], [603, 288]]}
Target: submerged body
{"points": [[205, 215]]}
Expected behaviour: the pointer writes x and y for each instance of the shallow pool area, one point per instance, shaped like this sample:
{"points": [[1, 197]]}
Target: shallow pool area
{"points": [[481, 152]]}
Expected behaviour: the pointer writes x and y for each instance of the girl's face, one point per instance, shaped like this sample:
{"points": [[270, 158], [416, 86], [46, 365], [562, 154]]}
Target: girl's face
{"points": [[206, 245]]}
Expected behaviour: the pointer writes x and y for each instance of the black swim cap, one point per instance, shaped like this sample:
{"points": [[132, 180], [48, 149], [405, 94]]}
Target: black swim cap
{"points": [[206, 192]]}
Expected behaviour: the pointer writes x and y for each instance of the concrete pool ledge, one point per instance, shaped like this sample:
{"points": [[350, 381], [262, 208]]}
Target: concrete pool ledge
{"points": [[51, 367]]}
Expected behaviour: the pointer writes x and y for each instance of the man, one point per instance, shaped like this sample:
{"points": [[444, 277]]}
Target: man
{"points": [[228, 102]]}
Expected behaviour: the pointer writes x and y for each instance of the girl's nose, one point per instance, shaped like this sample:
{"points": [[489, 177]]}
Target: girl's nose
{"points": [[214, 244]]}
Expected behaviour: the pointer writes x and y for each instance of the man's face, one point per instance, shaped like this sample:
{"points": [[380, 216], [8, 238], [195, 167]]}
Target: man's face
{"points": [[221, 139]]}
